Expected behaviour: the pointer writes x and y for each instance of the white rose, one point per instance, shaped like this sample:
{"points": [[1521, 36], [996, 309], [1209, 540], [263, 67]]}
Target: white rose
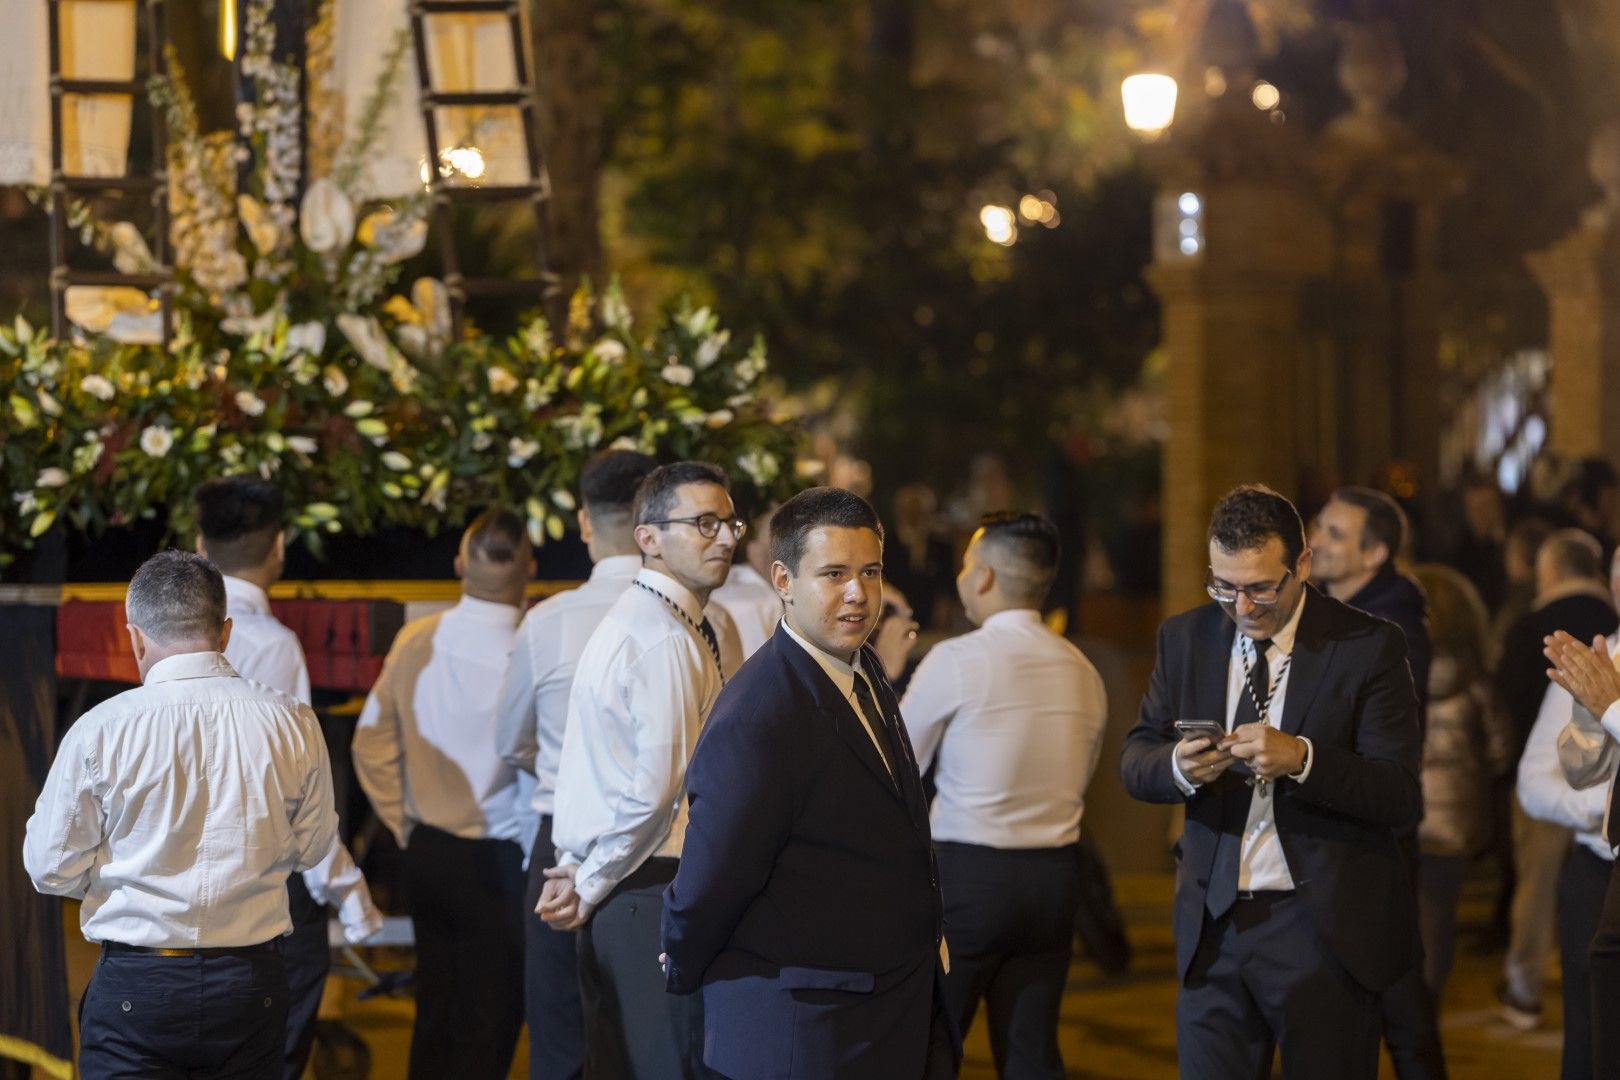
{"points": [[52, 477], [677, 374], [501, 381], [307, 337], [303, 444], [156, 440], [98, 386], [250, 403], [519, 451], [609, 350]]}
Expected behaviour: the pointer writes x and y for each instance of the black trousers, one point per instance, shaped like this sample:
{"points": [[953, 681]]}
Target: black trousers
{"points": [[1581, 889], [550, 979], [1411, 1028], [634, 1028], [1009, 922], [307, 958], [1261, 979], [174, 1017], [466, 900]]}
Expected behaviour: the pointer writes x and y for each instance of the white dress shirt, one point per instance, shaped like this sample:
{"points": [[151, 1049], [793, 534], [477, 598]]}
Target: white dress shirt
{"points": [[1261, 862], [534, 705], [1544, 791], [262, 648], [424, 749], [753, 603], [642, 688], [1588, 750], [177, 809], [1016, 714]]}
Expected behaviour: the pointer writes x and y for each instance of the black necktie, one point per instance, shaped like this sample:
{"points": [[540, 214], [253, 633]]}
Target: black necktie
{"points": [[1236, 796], [714, 645], [880, 730]]}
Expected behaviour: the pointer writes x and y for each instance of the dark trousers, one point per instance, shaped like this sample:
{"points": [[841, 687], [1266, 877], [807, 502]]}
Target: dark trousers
{"points": [[1261, 979], [1009, 921], [307, 958], [634, 1028], [1411, 1028], [1581, 888], [550, 980], [466, 900], [223, 1015], [1440, 880]]}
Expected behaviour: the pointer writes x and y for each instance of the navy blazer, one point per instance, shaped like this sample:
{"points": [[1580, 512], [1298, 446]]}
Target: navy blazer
{"points": [[1350, 692], [807, 905]]}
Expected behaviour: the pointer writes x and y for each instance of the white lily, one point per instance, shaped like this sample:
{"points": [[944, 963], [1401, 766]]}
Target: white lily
{"points": [[325, 217], [366, 335], [130, 253], [307, 337]]}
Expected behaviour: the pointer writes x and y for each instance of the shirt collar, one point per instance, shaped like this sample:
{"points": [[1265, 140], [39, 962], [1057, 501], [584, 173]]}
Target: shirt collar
{"points": [[245, 596], [1565, 589], [1282, 642], [673, 591], [191, 665], [842, 674], [617, 568], [488, 610], [1014, 617]]}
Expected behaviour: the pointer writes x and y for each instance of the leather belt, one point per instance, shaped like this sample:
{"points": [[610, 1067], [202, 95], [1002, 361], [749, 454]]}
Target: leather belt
{"points": [[1269, 896], [118, 947]]}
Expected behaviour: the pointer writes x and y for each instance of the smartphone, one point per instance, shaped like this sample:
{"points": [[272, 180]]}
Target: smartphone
{"points": [[1198, 729]]}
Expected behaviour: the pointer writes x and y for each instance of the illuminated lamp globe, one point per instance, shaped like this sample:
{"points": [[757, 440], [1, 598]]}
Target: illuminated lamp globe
{"points": [[1150, 103]]}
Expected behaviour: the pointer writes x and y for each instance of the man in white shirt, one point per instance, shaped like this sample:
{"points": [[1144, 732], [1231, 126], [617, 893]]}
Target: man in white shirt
{"points": [[424, 751], [1015, 714], [643, 686], [747, 594], [529, 733], [175, 812], [239, 531]]}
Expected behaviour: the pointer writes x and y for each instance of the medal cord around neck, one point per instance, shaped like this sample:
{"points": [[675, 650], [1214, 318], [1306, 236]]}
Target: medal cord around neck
{"points": [[1250, 658], [708, 638]]}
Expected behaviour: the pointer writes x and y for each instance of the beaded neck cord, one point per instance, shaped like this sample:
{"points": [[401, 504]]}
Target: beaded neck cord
{"points": [[704, 630], [1250, 657]]}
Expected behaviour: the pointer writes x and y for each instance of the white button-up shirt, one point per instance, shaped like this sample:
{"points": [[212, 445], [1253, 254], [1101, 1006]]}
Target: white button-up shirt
{"points": [[424, 748], [263, 649], [534, 705], [752, 604], [643, 686], [1016, 714], [177, 809], [1546, 793]]}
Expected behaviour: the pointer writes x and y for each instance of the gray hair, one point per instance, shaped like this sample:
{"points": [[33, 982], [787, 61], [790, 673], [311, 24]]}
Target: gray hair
{"points": [[175, 597]]}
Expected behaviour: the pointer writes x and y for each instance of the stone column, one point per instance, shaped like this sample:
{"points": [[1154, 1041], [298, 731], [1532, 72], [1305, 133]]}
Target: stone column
{"points": [[1581, 277]]}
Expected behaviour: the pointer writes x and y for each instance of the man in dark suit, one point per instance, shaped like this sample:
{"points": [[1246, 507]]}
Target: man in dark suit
{"points": [[1293, 910], [807, 907]]}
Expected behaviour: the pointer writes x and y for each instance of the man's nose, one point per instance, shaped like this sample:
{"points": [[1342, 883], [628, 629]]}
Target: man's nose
{"points": [[1244, 606]]}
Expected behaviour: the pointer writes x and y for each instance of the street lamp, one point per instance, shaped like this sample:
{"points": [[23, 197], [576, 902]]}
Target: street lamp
{"points": [[1150, 103]]}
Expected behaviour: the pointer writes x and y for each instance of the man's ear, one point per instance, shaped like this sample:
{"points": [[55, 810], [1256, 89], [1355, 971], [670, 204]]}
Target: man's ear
{"points": [[649, 541], [987, 580], [278, 550], [584, 519], [1302, 569], [1379, 555], [782, 581], [200, 549], [461, 565], [137, 641], [225, 634]]}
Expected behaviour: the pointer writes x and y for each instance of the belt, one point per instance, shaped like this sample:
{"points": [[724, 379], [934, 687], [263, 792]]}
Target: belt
{"points": [[659, 870], [1266, 896], [118, 947]]}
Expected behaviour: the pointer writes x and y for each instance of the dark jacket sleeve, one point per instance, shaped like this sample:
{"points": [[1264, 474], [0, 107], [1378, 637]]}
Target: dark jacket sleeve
{"points": [[1144, 760], [1376, 779], [741, 798]]}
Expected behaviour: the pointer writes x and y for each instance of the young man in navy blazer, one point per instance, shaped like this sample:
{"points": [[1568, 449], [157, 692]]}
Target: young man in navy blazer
{"points": [[807, 908], [1293, 907]]}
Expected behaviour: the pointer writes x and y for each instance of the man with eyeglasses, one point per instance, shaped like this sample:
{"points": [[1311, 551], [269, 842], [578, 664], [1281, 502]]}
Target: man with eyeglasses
{"points": [[642, 689], [1293, 911]]}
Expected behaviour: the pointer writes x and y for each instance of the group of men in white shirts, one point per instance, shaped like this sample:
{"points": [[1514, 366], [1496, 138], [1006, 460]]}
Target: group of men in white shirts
{"points": [[532, 769]]}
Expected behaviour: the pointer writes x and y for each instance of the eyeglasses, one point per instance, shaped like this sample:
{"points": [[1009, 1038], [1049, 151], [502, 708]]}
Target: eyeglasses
{"points": [[707, 525], [1259, 595]]}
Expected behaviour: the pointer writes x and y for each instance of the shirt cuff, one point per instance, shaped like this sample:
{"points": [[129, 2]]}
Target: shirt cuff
{"points": [[1310, 759], [1611, 720], [1188, 788]]}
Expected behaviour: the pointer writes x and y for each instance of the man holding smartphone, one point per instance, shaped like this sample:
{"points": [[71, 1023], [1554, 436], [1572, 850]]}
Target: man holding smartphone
{"points": [[1292, 910]]}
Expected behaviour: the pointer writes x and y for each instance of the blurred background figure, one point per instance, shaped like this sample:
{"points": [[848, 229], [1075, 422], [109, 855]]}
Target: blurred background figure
{"points": [[1465, 747], [918, 555], [895, 636], [1479, 550]]}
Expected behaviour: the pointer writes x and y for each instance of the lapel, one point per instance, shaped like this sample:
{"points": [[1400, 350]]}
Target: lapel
{"points": [[837, 710], [1313, 652], [1210, 663]]}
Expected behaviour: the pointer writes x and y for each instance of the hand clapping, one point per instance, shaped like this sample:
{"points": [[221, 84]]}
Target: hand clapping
{"points": [[1587, 672]]}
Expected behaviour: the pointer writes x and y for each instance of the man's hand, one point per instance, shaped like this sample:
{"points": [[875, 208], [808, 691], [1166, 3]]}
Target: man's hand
{"points": [[560, 905], [1200, 761], [1271, 753], [1586, 672]]}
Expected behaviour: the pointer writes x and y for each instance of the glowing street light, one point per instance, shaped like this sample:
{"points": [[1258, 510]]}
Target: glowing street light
{"points": [[1150, 103], [1000, 224]]}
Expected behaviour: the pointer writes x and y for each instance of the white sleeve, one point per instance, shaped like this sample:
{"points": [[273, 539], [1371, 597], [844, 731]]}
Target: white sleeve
{"points": [[378, 753], [1544, 790], [337, 882], [62, 837], [931, 701]]}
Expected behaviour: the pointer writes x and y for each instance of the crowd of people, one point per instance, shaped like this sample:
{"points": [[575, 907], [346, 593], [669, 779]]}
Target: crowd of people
{"points": [[705, 815]]}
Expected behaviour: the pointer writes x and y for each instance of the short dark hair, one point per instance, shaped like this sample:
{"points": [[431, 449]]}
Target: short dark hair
{"points": [[816, 508], [1251, 514], [497, 535], [177, 596], [1524, 539], [239, 518], [655, 496], [1386, 521], [608, 483], [1024, 549], [1575, 552]]}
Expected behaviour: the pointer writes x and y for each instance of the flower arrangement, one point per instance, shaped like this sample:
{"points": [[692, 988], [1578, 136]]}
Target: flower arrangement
{"points": [[293, 358], [103, 432]]}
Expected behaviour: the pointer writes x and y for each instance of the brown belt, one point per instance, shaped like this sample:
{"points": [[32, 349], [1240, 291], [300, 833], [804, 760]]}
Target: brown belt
{"points": [[229, 950]]}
